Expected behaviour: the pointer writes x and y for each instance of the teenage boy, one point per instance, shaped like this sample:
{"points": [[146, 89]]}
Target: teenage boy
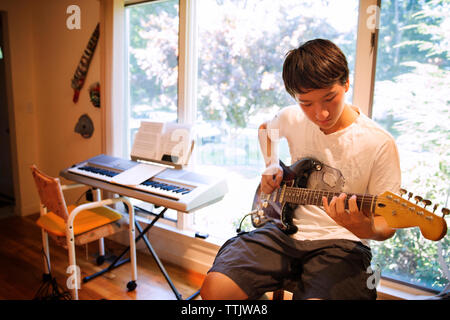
{"points": [[329, 256]]}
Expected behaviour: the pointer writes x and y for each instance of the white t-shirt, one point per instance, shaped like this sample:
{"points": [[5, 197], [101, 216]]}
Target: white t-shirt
{"points": [[361, 158]]}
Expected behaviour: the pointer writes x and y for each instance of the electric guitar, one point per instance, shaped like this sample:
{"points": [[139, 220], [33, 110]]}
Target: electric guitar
{"points": [[278, 207]]}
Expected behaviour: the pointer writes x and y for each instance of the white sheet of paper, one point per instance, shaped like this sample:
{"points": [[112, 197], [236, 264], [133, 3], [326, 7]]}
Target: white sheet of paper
{"points": [[137, 174], [147, 140]]}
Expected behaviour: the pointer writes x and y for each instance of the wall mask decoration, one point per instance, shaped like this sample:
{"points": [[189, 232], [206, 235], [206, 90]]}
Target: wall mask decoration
{"points": [[83, 66], [85, 126], [94, 94]]}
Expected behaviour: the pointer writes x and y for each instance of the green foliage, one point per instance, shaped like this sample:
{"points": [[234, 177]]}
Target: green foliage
{"points": [[412, 90], [240, 63], [410, 257], [405, 33], [153, 59]]}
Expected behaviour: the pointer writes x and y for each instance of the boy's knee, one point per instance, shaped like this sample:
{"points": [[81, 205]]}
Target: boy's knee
{"points": [[218, 286], [205, 290]]}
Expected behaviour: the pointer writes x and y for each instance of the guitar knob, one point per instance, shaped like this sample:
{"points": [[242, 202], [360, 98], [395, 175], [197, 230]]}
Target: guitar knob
{"points": [[418, 199], [426, 203], [410, 194]]}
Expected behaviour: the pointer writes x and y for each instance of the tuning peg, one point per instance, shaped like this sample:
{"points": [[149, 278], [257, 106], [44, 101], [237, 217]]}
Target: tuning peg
{"points": [[435, 207], [410, 194], [445, 212], [403, 191], [418, 199], [426, 203]]}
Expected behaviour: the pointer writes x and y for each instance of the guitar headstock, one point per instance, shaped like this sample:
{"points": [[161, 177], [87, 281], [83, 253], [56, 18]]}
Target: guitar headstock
{"points": [[402, 213]]}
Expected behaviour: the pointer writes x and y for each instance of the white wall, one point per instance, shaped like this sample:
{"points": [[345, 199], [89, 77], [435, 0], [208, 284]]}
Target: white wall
{"points": [[44, 57]]}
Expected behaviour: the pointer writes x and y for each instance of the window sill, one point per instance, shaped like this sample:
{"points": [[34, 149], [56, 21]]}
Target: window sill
{"points": [[390, 290]]}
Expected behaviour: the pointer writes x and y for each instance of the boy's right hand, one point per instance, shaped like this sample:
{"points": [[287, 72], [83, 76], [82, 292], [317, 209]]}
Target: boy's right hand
{"points": [[271, 178]]}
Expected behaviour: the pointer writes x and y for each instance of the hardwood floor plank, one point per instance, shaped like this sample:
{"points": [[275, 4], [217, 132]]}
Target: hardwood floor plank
{"points": [[22, 266]]}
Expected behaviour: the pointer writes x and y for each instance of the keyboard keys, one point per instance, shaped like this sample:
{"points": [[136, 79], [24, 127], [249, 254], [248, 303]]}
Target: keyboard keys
{"points": [[164, 188], [104, 172], [97, 173]]}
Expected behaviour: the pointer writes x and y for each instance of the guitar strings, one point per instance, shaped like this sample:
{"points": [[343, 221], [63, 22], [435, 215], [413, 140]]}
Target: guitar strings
{"points": [[311, 194], [362, 199]]}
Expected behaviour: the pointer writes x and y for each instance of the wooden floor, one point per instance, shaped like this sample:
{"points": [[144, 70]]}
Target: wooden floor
{"points": [[22, 265]]}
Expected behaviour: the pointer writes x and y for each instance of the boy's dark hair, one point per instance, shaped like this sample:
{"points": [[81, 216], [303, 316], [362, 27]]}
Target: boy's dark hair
{"points": [[316, 64]]}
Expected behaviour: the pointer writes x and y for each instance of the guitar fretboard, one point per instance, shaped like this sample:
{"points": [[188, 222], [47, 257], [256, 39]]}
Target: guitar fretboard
{"points": [[365, 202]]}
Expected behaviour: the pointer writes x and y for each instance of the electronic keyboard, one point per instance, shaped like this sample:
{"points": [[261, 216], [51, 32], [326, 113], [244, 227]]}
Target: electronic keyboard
{"points": [[181, 190]]}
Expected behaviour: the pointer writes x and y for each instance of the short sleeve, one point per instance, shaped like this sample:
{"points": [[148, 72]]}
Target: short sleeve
{"points": [[386, 172], [282, 120], [274, 126]]}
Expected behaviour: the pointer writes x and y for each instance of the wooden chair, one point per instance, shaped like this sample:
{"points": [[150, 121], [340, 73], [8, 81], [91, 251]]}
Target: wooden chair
{"points": [[77, 225]]}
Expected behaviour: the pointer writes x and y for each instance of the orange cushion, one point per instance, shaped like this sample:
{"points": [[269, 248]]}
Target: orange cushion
{"points": [[85, 220]]}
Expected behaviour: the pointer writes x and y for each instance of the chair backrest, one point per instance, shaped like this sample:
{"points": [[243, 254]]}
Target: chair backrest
{"points": [[50, 193]]}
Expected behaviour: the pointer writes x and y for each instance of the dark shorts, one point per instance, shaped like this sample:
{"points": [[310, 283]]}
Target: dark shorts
{"points": [[266, 259]]}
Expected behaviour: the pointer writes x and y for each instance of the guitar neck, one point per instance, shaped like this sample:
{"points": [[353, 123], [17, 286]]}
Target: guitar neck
{"points": [[365, 202]]}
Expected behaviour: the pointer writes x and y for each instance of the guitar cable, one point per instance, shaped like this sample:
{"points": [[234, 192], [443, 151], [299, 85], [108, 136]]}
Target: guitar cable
{"points": [[239, 229]]}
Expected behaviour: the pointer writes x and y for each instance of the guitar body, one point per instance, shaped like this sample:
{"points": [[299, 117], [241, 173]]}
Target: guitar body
{"points": [[268, 209]]}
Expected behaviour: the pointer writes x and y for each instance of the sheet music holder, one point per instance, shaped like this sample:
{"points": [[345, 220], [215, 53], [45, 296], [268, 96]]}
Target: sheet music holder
{"points": [[165, 143]]}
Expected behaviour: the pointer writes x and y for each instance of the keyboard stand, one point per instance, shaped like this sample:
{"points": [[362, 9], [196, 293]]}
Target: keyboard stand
{"points": [[118, 262]]}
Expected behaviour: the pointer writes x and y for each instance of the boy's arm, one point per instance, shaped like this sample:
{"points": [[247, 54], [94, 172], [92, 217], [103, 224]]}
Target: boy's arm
{"points": [[266, 145], [386, 175], [273, 175]]}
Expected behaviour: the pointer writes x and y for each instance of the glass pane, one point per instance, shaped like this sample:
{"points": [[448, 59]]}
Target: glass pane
{"points": [[152, 83], [152, 63], [411, 101], [241, 49]]}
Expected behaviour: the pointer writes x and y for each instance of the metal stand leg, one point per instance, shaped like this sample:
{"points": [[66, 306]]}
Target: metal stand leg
{"points": [[118, 262], [158, 262]]}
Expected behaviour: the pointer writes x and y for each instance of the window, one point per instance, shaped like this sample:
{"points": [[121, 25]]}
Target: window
{"points": [[411, 101], [152, 53], [241, 49], [152, 63]]}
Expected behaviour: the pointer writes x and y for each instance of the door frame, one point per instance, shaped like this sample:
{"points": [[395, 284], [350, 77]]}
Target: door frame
{"points": [[10, 109]]}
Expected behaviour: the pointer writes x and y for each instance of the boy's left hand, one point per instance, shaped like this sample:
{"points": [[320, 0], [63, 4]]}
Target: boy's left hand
{"points": [[352, 219]]}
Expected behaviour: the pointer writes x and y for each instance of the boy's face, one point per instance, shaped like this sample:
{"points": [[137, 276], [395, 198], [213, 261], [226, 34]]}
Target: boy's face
{"points": [[324, 107]]}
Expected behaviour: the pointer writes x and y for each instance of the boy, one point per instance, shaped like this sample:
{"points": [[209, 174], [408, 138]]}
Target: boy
{"points": [[328, 257]]}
